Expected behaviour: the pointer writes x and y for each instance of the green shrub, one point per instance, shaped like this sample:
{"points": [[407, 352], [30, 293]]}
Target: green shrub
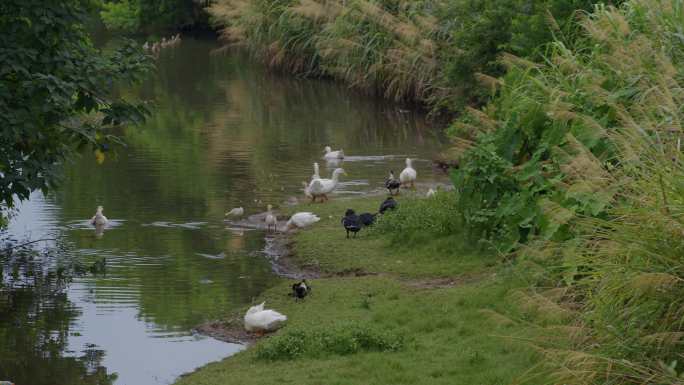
{"points": [[583, 152], [437, 215], [121, 16], [342, 339]]}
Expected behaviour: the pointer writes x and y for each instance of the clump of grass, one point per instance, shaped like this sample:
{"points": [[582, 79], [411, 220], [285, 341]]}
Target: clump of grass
{"points": [[437, 215], [342, 339]]}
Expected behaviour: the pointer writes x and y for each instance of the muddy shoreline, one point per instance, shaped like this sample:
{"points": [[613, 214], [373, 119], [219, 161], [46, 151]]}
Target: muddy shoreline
{"points": [[278, 251]]}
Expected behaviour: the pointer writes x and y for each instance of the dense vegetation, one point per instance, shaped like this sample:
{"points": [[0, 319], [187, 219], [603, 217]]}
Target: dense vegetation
{"points": [[150, 15], [573, 168], [432, 51], [56, 92]]}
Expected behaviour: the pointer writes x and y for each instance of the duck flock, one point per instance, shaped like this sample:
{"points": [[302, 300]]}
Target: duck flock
{"points": [[156, 47], [258, 319]]}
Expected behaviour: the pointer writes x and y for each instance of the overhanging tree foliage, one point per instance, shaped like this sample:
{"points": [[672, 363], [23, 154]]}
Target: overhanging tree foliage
{"points": [[56, 92]]}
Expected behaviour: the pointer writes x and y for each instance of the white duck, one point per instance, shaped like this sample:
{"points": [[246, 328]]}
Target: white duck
{"points": [[271, 219], [302, 220], [259, 320], [408, 175], [431, 193], [99, 220], [236, 212], [316, 174], [307, 191], [322, 187], [330, 154]]}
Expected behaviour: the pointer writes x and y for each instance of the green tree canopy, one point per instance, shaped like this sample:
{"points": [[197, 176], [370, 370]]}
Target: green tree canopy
{"points": [[57, 92]]}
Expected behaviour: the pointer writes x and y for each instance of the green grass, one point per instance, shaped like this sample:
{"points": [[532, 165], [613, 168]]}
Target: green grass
{"points": [[418, 335], [417, 255]]}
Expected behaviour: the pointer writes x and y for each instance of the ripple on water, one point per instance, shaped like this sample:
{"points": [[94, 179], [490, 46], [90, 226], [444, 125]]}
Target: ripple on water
{"points": [[220, 255], [186, 225]]}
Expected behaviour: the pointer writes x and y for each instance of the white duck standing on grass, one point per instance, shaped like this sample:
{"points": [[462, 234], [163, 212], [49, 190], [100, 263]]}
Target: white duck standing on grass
{"points": [[323, 187], [301, 220], [261, 321], [330, 154], [236, 212], [408, 175], [316, 174], [99, 220], [271, 219], [307, 191]]}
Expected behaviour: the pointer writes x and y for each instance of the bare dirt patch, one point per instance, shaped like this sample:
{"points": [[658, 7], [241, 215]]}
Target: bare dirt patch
{"points": [[230, 330]]}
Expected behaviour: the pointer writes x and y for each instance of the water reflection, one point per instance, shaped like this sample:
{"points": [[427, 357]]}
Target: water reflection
{"points": [[225, 133]]}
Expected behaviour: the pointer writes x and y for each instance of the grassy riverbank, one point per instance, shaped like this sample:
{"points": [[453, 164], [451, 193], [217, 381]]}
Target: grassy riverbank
{"points": [[573, 170], [431, 314]]}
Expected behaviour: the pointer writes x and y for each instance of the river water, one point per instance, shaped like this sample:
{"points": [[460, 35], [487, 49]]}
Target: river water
{"points": [[224, 133]]}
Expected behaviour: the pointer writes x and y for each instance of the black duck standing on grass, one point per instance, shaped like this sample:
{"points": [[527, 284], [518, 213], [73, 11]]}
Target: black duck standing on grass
{"points": [[301, 289], [392, 184], [351, 222], [388, 204], [367, 219]]}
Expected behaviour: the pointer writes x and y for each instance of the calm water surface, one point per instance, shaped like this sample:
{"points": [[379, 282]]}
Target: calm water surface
{"points": [[225, 133]]}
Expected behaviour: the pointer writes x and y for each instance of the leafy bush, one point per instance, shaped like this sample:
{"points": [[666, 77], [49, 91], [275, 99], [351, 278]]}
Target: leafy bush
{"points": [[437, 216], [583, 151], [131, 16], [56, 92], [342, 339], [121, 16]]}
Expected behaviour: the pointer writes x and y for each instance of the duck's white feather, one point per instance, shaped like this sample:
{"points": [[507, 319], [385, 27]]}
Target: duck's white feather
{"points": [[270, 219], [325, 186], [409, 174], [307, 191], [236, 212], [99, 219], [330, 154], [316, 174], [302, 219], [258, 319]]}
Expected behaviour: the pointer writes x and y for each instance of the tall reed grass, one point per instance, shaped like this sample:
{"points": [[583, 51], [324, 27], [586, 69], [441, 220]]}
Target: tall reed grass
{"points": [[428, 51], [580, 158]]}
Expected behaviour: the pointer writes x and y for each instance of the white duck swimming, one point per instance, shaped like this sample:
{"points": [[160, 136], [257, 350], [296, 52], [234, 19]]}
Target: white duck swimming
{"points": [[330, 154], [271, 219], [316, 174], [99, 220], [236, 212], [302, 220], [322, 187], [259, 320], [408, 175]]}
